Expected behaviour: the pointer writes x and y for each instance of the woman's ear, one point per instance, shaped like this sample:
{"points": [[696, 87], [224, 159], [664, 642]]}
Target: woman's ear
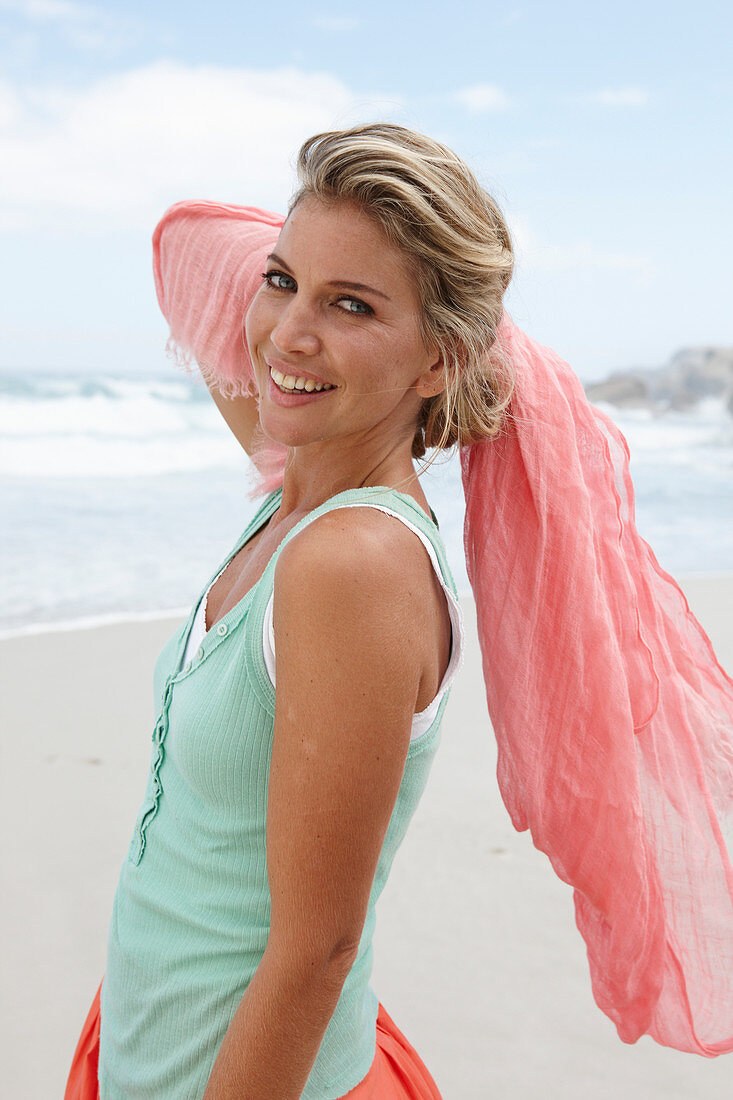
{"points": [[432, 380]]}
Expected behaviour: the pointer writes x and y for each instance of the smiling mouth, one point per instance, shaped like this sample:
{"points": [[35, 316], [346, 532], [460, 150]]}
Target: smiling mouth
{"points": [[292, 383]]}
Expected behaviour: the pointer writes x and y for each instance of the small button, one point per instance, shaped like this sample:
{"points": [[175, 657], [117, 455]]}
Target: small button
{"points": [[222, 629], [187, 666], [200, 652]]}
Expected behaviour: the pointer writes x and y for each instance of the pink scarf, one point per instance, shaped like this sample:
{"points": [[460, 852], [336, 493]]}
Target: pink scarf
{"points": [[613, 717]]}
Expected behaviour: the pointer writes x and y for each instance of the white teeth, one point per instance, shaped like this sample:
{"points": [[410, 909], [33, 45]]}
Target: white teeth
{"points": [[290, 382]]}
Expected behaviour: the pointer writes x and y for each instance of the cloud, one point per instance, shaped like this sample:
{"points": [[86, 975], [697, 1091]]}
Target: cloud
{"points": [[337, 24], [48, 11], [619, 97], [120, 150], [51, 11], [10, 106], [580, 255], [93, 29], [482, 98]]}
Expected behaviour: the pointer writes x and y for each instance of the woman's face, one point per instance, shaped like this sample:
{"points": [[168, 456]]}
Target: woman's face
{"points": [[338, 308]]}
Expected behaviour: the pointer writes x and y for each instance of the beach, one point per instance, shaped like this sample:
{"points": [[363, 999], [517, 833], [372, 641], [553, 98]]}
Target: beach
{"points": [[477, 957]]}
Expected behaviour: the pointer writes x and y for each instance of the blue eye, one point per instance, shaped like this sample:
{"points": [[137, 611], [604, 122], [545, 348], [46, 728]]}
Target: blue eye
{"points": [[361, 307], [277, 279]]}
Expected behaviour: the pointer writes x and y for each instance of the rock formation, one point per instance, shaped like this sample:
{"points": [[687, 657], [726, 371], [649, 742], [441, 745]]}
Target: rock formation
{"points": [[688, 377]]}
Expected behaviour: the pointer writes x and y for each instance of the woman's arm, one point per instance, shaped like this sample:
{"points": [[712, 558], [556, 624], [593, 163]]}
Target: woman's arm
{"points": [[241, 414], [349, 637]]}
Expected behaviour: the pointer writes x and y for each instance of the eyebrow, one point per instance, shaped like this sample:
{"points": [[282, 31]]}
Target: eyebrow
{"points": [[336, 282]]}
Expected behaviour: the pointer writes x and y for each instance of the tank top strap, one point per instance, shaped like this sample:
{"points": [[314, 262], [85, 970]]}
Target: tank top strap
{"points": [[385, 499], [393, 502]]}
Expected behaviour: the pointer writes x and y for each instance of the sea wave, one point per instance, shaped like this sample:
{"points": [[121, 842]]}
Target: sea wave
{"points": [[109, 427], [121, 495]]}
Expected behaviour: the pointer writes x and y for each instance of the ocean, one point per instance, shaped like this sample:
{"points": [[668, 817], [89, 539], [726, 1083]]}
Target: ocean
{"points": [[122, 495]]}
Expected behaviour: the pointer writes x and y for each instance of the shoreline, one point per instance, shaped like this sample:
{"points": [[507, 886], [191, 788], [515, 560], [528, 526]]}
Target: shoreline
{"points": [[92, 622], [119, 618]]}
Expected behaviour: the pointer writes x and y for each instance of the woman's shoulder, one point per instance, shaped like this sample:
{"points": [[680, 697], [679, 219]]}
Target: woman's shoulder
{"points": [[365, 540], [362, 553], [358, 588]]}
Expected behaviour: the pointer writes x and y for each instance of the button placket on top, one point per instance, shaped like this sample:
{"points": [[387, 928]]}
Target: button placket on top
{"points": [[159, 731], [222, 628]]}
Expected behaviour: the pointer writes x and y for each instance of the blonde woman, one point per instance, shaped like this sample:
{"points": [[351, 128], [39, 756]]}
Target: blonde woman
{"points": [[300, 705]]}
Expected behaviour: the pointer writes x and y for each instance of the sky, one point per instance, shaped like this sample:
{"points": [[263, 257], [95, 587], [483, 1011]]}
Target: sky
{"points": [[604, 132]]}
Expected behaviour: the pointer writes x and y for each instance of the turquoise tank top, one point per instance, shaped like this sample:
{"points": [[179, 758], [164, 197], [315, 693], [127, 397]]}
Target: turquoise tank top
{"points": [[191, 912]]}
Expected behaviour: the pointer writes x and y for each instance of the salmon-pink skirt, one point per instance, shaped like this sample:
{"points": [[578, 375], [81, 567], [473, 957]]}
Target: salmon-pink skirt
{"points": [[397, 1071]]}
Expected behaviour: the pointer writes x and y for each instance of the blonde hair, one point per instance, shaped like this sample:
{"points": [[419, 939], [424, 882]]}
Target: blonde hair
{"points": [[431, 206]]}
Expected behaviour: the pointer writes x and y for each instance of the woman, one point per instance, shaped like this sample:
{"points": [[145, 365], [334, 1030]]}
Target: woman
{"points": [[240, 944]]}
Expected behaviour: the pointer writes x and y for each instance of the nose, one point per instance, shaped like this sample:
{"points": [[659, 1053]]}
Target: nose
{"points": [[296, 329]]}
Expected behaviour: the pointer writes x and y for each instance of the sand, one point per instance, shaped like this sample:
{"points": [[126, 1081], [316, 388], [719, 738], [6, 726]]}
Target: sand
{"points": [[477, 957]]}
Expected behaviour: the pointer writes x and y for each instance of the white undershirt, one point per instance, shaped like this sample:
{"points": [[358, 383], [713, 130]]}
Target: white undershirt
{"points": [[421, 721]]}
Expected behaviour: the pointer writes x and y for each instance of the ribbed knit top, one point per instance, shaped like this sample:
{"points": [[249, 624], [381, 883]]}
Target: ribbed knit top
{"points": [[191, 912]]}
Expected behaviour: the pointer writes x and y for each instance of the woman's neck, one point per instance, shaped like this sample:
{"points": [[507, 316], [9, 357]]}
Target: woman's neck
{"points": [[312, 477]]}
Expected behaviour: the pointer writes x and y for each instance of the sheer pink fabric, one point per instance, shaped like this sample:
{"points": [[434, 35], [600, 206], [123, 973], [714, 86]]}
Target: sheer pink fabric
{"points": [[613, 717], [207, 263]]}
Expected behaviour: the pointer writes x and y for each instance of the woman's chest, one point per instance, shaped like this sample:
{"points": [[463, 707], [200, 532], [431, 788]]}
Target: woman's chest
{"points": [[243, 572], [219, 735]]}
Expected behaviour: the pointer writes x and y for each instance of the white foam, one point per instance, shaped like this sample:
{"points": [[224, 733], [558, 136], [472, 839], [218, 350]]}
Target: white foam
{"points": [[77, 545], [91, 622], [113, 428]]}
